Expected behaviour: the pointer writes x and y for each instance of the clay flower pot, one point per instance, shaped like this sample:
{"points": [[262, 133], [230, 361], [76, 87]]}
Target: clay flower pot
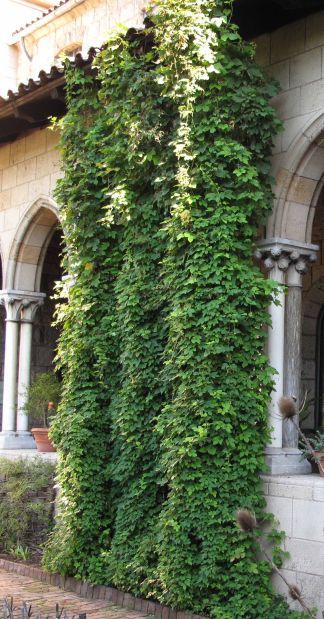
{"points": [[43, 442], [320, 456]]}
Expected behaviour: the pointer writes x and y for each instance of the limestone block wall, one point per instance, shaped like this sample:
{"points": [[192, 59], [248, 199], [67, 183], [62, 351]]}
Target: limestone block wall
{"points": [[294, 56], [29, 169], [86, 24], [298, 504]]}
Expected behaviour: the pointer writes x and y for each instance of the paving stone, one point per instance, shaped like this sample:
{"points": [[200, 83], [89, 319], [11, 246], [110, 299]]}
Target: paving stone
{"points": [[44, 596]]}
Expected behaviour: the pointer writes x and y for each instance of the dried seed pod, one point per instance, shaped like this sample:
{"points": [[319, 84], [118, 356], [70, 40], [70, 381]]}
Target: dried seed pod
{"points": [[287, 407], [245, 520]]}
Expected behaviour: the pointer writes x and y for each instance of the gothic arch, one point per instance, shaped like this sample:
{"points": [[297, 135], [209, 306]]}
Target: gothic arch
{"points": [[299, 184], [29, 245]]}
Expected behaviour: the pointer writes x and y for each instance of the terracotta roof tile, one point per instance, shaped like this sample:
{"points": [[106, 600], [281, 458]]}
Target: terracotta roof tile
{"points": [[50, 10], [46, 77]]}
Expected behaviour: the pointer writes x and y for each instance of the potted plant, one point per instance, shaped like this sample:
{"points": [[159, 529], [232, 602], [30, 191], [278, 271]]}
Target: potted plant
{"points": [[315, 450], [43, 397]]}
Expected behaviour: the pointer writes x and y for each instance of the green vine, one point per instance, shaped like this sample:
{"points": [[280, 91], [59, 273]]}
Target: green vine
{"points": [[163, 423], [88, 353]]}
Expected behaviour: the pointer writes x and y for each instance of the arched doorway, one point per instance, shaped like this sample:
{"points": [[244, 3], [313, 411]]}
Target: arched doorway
{"points": [[32, 268], [289, 251], [45, 335], [312, 374]]}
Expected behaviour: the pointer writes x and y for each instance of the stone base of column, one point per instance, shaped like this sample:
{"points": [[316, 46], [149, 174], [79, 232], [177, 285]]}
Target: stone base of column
{"points": [[16, 440], [286, 461]]}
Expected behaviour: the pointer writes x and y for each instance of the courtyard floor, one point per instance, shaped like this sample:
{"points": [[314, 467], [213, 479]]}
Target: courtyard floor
{"points": [[44, 597]]}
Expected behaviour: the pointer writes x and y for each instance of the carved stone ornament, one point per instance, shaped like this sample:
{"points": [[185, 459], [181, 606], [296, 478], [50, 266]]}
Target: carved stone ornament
{"points": [[21, 304], [284, 253]]}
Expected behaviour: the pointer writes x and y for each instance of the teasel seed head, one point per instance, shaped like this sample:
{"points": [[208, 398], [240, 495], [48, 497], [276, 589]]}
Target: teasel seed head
{"points": [[287, 407], [246, 520]]}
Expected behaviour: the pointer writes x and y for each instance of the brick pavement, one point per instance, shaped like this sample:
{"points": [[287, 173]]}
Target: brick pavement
{"points": [[44, 597]]}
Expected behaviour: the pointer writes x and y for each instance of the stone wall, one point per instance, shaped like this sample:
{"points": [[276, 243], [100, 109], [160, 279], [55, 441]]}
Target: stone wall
{"points": [[86, 24], [298, 504], [293, 55], [29, 168]]}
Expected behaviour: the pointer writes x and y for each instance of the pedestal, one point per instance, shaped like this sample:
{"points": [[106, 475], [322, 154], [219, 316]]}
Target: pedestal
{"points": [[17, 440]]}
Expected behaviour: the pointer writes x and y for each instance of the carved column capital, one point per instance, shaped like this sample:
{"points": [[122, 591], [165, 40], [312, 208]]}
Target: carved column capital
{"points": [[285, 255], [20, 304]]}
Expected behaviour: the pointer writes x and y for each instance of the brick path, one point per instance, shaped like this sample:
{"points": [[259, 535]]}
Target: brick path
{"points": [[43, 597]]}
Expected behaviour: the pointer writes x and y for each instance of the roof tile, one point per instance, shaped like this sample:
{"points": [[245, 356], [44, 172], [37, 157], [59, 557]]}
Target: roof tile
{"points": [[33, 21]]}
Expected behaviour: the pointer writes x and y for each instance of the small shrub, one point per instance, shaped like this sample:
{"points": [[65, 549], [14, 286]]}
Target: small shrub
{"points": [[44, 389], [26, 505]]}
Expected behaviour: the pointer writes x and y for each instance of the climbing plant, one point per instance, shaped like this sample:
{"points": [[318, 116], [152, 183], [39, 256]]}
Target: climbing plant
{"points": [[163, 422], [88, 354]]}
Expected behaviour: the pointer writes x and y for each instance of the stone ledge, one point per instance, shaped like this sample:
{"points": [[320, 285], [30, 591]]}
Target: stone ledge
{"points": [[295, 480], [97, 592], [28, 454]]}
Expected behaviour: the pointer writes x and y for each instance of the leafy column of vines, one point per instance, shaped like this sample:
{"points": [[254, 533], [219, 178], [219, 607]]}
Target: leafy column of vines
{"points": [[88, 352], [140, 311], [166, 384]]}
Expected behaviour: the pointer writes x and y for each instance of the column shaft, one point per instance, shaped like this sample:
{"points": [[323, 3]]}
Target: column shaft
{"points": [[292, 358], [10, 377], [20, 307], [276, 358], [26, 331]]}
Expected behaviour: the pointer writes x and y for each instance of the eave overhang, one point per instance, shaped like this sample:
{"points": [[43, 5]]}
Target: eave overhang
{"points": [[34, 103], [255, 17]]}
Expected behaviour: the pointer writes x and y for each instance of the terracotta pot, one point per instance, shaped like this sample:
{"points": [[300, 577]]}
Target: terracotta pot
{"points": [[43, 442], [320, 456]]}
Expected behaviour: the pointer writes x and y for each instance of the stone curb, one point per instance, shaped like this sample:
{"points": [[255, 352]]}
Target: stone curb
{"points": [[97, 592]]}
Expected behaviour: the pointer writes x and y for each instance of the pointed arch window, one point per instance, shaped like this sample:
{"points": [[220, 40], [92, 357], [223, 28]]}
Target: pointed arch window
{"points": [[69, 51]]}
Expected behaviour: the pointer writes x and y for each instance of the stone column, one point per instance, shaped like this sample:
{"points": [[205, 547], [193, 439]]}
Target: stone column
{"points": [[276, 265], [28, 311], [293, 344], [300, 258], [12, 306], [285, 261], [16, 303]]}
